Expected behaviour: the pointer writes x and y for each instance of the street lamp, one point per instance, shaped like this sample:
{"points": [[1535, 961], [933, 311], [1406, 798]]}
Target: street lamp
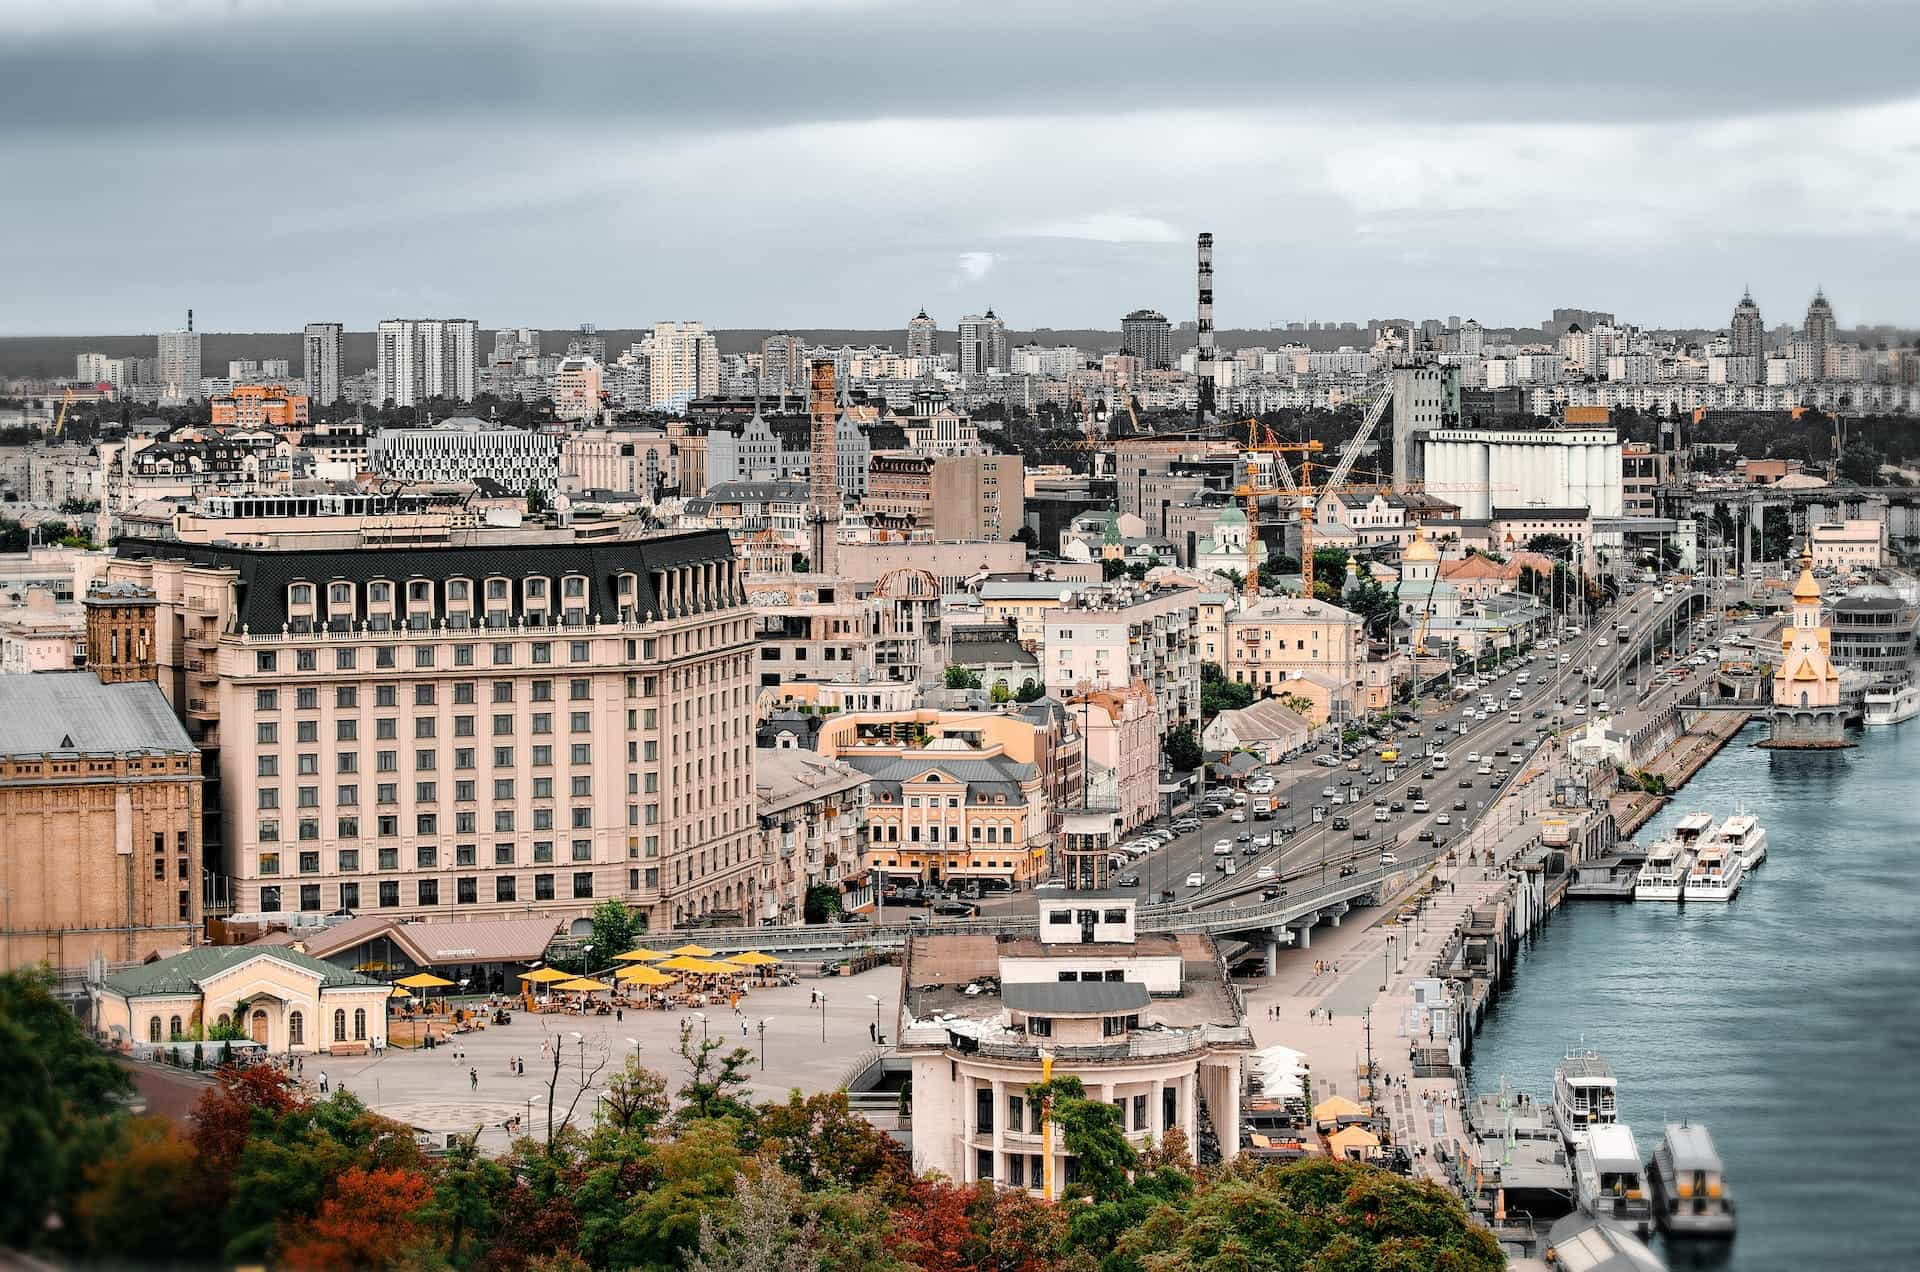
{"points": [[823, 1017], [701, 1016], [1386, 964], [875, 1000], [580, 1047], [763, 1042]]}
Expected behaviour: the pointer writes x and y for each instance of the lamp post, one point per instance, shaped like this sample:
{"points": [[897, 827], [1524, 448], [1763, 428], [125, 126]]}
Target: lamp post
{"points": [[701, 1016], [763, 1042], [823, 1017], [580, 1048], [1386, 964], [875, 1000]]}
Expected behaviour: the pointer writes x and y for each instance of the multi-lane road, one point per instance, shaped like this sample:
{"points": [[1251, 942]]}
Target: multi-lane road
{"points": [[1563, 683]]}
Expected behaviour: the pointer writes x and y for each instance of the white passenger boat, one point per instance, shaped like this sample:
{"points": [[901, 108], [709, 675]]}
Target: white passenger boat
{"points": [[1745, 835], [1892, 706], [1663, 876], [1584, 1096], [1716, 874]]}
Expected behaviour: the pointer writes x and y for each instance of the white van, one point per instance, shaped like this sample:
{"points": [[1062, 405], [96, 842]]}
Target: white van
{"points": [[1439, 760]]}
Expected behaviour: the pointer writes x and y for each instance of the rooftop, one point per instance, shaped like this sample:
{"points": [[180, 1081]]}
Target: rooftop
{"points": [[72, 712], [430, 944], [943, 967], [183, 973]]}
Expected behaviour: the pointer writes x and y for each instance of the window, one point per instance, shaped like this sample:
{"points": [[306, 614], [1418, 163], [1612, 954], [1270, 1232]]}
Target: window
{"points": [[386, 695], [579, 690], [503, 888], [426, 856], [310, 862], [583, 850], [266, 733], [339, 1025], [542, 650], [270, 899], [542, 850], [389, 893], [579, 651], [1016, 1113], [297, 1026], [503, 652], [346, 730], [307, 731], [503, 757], [580, 721], [543, 887], [306, 699], [423, 695], [263, 661], [346, 762], [428, 891], [1040, 1026], [542, 722], [583, 884], [268, 766], [503, 726], [983, 1109], [389, 858], [359, 1024], [542, 690], [466, 890], [426, 792], [1140, 1113], [582, 753], [349, 859], [503, 820], [343, 660], [423, 726], [266, 699], [503, 854], [310, 896], [349, 896], [386, 729], [426, 824]]}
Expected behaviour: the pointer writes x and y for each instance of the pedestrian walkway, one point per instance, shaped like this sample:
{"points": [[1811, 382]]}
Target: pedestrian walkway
{"points": [[1360, 974]]}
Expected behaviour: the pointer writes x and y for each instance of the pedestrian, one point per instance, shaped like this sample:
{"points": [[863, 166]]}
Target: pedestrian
{"points": [[873, 1031], [619, 1014], [473, 1078], [323, 1081], [543, 1049], [743, 1026]]}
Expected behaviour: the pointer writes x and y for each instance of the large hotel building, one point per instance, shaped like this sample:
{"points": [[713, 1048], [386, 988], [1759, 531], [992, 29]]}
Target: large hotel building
{"points": [[520, 722]]}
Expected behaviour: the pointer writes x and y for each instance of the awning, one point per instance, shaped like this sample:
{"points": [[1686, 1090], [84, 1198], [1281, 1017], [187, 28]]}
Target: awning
{"points": [[986, 871]]}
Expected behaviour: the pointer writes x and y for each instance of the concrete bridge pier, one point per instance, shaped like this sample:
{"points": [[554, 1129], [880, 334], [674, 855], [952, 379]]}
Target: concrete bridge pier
{"points": [[1304, 933]]}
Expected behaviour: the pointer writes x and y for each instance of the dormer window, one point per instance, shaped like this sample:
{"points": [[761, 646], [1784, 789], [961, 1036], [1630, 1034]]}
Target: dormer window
{"points": [[300, 595], [573, 587], [536, 589], [459, 590], [379, 593], [339, 596]]}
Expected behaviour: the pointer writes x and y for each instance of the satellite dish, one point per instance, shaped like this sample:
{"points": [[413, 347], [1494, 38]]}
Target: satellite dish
{"points": [[1066, 596]]}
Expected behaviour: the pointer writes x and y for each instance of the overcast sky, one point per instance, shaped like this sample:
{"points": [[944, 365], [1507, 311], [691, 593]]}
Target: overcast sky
{"points": [[272, 162]]}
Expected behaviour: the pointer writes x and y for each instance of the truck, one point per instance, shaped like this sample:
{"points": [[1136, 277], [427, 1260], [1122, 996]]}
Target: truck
{"points": [[1263, 808]]}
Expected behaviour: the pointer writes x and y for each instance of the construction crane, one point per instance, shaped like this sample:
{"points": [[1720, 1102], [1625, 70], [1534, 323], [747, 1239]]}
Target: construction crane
{"points": [[1309, 492], [1261, 441], [66, 404]]}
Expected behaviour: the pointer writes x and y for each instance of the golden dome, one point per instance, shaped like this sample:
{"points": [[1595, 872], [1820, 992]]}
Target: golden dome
{"points": [[1419, 549], [1807, 589]]}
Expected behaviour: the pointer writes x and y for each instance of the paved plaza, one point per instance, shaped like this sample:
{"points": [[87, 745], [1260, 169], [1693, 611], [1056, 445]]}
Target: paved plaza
{"points": [[436, 1090]]}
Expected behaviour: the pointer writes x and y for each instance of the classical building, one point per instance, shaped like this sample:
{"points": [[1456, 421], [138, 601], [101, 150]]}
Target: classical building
{"points": [[1806, 686], [813, 832], [282, 999], [1111, 635], [1268, 728], [513, 721], [1123, 752], [1225, 548], [1146, 1021], [1278, 639]]}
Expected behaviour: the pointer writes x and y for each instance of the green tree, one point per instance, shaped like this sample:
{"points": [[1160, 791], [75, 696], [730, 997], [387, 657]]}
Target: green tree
{"points": [[1553, 545], [1000, 693], [466, 1197], [616, 929], [1218, 694], [1182, 749], [1091, 1131], [537, 501], [1860, 464], [1030, 691], [1112, 568], [635, 1097], [59, 1112], [959, 677], [716, 1084], [822, 903], [1027, 535]]}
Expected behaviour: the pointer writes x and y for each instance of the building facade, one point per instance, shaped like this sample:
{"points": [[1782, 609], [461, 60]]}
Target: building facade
{"points": [[978, 497], [1111, 635], [177, 363], [812, 833], [416, 359], [921, 334], [259, 406], [322, 343], [1146, 334], [463, 449], [1281, 638], [683, 363], [513, 723]]}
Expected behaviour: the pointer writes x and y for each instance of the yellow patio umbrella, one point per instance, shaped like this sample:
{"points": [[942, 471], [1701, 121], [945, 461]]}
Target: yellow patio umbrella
{"points": [[546, 975], [583, 985], [694, 951], [713, 967], [684, 963], [753, 958], [423, 981], [641, 955], [1335, 1107], [399, 993], [643, 975]]}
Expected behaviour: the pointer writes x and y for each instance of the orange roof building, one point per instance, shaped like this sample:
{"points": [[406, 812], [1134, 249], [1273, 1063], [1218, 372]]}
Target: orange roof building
{"points": [[261, 406]]}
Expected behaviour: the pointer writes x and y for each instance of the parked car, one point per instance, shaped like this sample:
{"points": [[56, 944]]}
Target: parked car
{"points": [[956, 909], [1239, 815], [1127, 881]]}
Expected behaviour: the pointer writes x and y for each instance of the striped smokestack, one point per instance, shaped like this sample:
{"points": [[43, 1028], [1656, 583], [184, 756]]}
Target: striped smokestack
{"points": [[1203, 362]]}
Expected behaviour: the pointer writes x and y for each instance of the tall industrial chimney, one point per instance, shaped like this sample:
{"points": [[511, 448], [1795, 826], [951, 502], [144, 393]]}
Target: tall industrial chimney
{"points": [[1203, 362], [823, 467]]}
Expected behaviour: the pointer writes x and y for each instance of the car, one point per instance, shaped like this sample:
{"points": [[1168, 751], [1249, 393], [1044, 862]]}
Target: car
{"points": [[1420, 805], [1243, 837], [1426, 836], [1363, 833], [1466, 783], [1445, 819], [1396, 807], [1459, 805], [1539, 715], [1341, 823], [1381, 814], [1388, 859], [1579, 711], [1485, 770], [1326, 761], [1224, 865], [1196, 880], [1328, 792], [1239, 815], [1222, 847], [1264, 872], [1263, 841], [1426, 775], [1349, 869], [1473, 757], [956, 909], [1050, 885], [1186, 826], [917, 918], [1161, 833], [1127, 881], [847, 916], [1346, 781], [1374, 780], [1272, 894]]}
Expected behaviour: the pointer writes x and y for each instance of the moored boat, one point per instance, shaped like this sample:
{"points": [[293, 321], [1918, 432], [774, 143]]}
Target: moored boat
{"points": [[1691, 1199], [1663, 875], [1584, 1096], [1746, 836], [1716, 874], [1891, 706], [1609, 1181]]}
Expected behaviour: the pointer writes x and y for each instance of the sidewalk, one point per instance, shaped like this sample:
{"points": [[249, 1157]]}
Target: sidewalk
{"points": [[1325, 994]]}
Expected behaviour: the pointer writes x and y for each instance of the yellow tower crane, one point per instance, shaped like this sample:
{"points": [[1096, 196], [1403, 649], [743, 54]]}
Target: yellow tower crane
{"points": [[1261, 441]]}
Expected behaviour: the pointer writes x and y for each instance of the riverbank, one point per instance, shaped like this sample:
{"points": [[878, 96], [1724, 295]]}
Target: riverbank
{"points": [[1676, 765]]}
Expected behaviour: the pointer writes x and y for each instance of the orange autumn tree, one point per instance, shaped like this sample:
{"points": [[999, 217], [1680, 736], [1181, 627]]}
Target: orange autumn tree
{"points": [[370, 1222]]}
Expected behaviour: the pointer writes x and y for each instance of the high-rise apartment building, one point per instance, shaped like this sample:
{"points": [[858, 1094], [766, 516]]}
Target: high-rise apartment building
{"points": [[978, 497], [1749, 333], [462, 449], [921, 331], [577, 388], [177, 363], [1818, 336], [421, 358], [322, 342], [683, 363], [983, 344], [783, 364], [511, 724], [1146, 334]]}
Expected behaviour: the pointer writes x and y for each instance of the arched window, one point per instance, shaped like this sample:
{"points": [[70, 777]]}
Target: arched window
{"points": [[153, 1029], [173, 1027], [226, 1021], [296, 1029], [360, 1024], [339, 1025]]}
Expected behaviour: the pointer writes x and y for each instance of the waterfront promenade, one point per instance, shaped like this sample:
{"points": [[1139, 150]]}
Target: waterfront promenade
{"points": [[1322, 997]]}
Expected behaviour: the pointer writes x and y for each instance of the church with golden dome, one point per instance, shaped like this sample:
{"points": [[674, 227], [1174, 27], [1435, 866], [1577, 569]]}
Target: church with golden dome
{"points": [[1807, 712]]}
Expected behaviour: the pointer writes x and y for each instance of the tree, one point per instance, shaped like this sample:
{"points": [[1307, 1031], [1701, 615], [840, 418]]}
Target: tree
{"points": [[1299, 704], [1028, 536], [959, 677], [1091, 1131], [1372, 601], [467, 1194], [821, 1143], [1112, 568], [1182, 749], [58, 1111], [768, 1230], [1860, 464], [635, 1098], [616, 929], [1218, 694], [136, 1195], [1553, 545], [537, 501], [1000, 694], [822, 903], [369, 1222], [716, 1084], [1030, 691]]}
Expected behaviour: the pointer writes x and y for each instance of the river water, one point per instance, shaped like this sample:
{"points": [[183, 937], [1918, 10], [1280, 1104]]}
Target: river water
{"points": [[1786, 1020]]}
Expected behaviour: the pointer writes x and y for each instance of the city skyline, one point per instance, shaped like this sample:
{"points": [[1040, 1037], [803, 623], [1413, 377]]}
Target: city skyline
{"points": [[1647, 170]]}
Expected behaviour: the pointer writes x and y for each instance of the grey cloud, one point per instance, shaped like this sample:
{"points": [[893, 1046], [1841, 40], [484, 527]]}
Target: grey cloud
{"points": [[735, 67]]}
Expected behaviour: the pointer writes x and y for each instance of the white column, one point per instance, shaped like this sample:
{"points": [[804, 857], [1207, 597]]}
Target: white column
{"points": [[999, 1129]]}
